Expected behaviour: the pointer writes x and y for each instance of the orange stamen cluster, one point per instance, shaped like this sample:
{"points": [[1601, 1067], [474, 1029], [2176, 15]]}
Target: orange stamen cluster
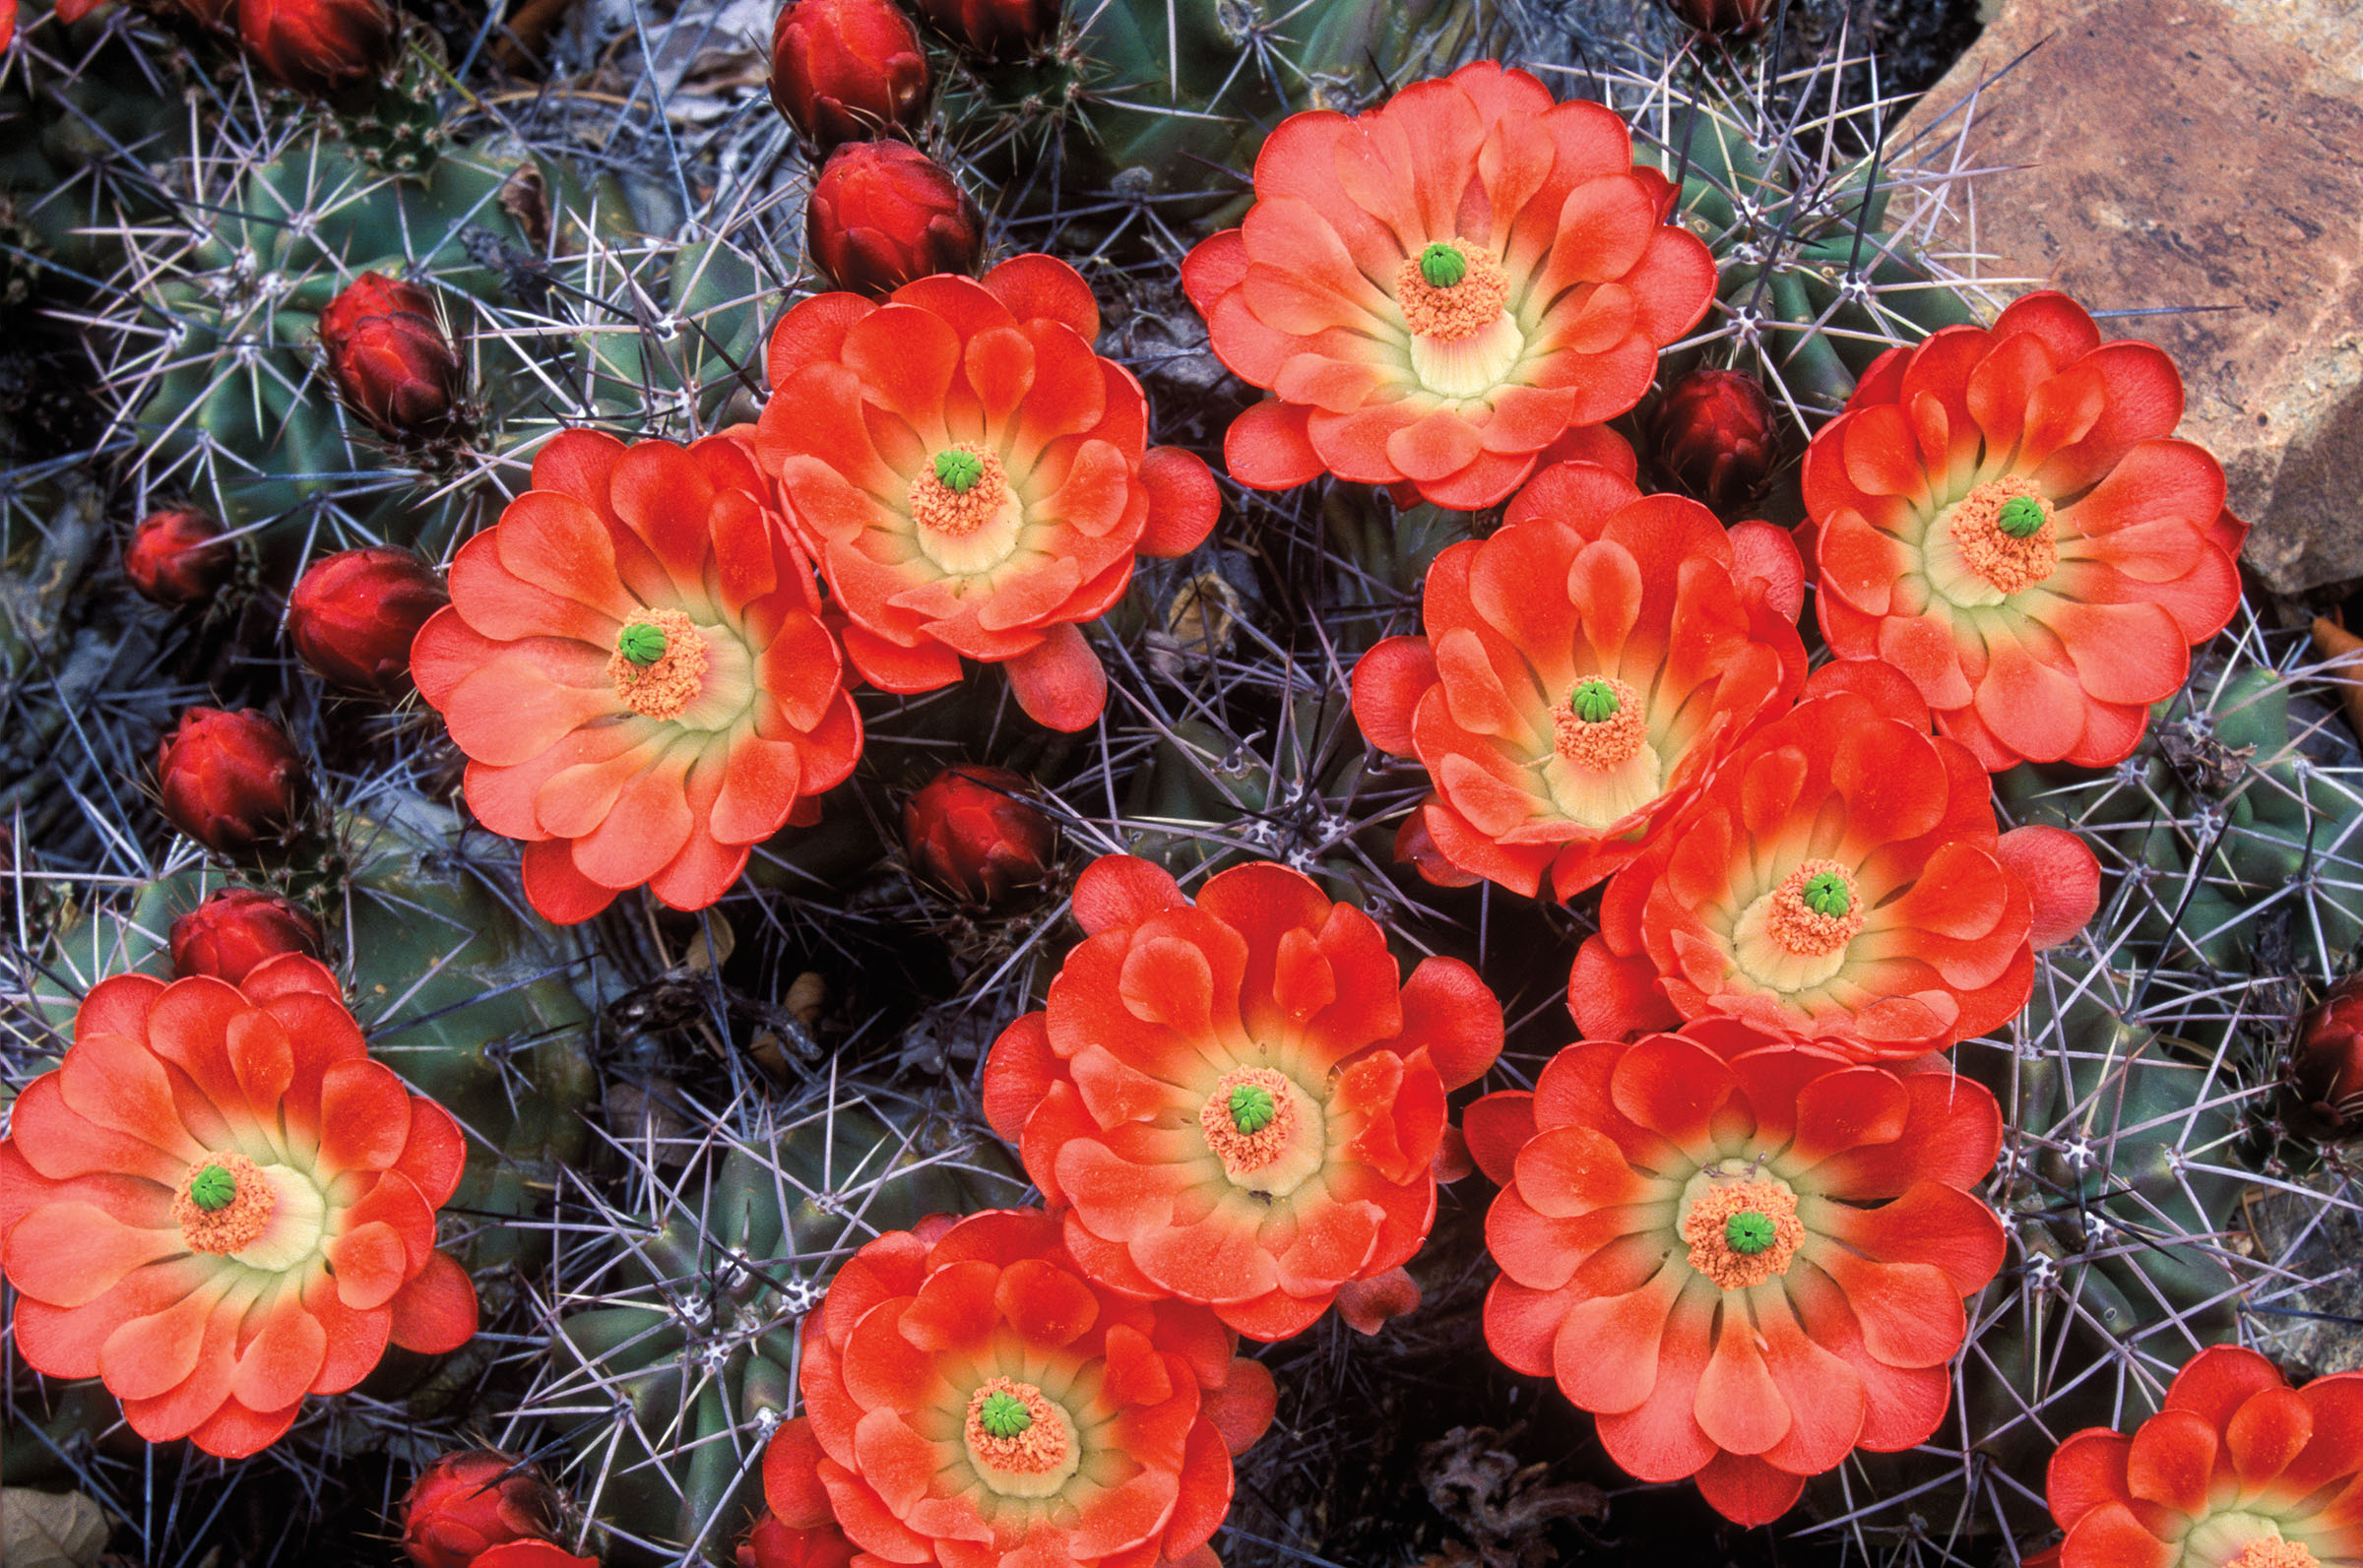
{"points": [[1707, 1228], [665, 688], [956, 513], [1462, 310], [1239, 1151], [1040, 1448], [1796, 924], [1603, 743], [2009, 562], [235, 1225], [2272, 1552]]}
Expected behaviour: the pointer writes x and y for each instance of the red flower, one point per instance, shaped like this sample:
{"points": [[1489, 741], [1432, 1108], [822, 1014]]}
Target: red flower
{"points": [[2237, 1470], [1745, 1258], [634, 662], [2323, 1097], [977, 831], [1438, 289], [464, 1504], [1719, 436], [229, 780], [354, 614], [773, 1545], [997, 30], [178, 556], [174, 1197], [390, 355], [1841, 882], [2001, 516], [972, 478], [798, 1529], [973, 1399], [846, 70], [237, 930], [1583, 672], [317, 47], [883, 214], [1239, 1102]]}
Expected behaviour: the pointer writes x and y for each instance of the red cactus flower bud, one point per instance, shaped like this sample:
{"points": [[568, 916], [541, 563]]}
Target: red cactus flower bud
{"points": [[997, 30], [178, 556], [235, 929], [1717, 436], [466, 1503], [229, 780], [532, 1554], [353, 616], [846, 70], [1724, 19], [885, 213], [974, 832], [317, 47], [2322, 1094], [387, 349]]}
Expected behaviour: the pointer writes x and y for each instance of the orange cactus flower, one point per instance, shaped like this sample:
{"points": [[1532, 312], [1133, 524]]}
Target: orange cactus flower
{"points": [[218, 1204], [975, 1397], [973, 479], [1240, 1101], [2001, 513], [2237, 1470], [1435, 291], [1747, 1259], [1841, 882], [1580, 673], [634, 661]]}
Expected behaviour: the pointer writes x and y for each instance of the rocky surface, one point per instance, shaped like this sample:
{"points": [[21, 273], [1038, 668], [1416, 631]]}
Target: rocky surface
{"points": [[2193, 152]]}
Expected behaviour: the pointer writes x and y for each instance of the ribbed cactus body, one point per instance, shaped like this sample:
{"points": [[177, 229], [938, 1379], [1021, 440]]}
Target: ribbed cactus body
{"points": [[87, 116], [1811, 283], [1161, 102], [224, 383], [2242, 806], [672, 1357]]}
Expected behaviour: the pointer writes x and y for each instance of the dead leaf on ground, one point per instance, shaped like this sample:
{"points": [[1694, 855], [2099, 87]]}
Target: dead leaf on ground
{"points": [[50, 1530], [1502, 1508]]}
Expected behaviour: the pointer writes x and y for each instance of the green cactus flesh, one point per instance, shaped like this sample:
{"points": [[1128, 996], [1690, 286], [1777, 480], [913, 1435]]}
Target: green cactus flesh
{"points": [[221, 374], [681, 1333]]}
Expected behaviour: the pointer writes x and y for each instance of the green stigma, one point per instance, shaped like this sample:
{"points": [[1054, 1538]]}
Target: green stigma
{"points": [[642, 643], [1442, 265], [2021, 516], [1252, 1108], [1748, 1232], [213, 1189], [1594, 701], [1004, 1416], [1825, 894], [958, 471]]}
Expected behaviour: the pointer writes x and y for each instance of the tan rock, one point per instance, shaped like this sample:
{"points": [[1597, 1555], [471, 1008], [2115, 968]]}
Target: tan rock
{"points": [[2177, 152]]}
